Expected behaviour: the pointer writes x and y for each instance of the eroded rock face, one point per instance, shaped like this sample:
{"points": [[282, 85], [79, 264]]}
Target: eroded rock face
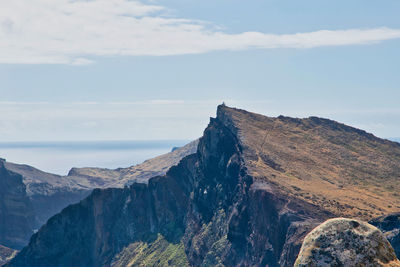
{"points": [[346, 242]]}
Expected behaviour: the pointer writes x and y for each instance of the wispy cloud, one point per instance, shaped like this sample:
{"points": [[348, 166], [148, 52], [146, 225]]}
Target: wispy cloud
{"points": [[91, 120], [159, 118], [71, 32]]}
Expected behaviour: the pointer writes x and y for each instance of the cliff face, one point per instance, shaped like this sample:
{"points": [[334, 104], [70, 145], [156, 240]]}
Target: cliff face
{"points": [[208, 205], [29, 197], [253, 190], [16, 216]]}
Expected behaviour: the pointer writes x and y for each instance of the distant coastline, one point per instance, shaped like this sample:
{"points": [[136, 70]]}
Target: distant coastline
{"points": [[60, 156]]}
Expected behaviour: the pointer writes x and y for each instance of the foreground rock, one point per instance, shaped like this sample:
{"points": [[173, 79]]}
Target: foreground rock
{"points": [[346, 242], [249, 195]]}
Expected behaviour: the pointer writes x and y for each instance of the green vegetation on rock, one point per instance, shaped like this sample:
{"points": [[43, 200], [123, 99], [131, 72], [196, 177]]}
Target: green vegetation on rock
{"points": [[157, 253]]}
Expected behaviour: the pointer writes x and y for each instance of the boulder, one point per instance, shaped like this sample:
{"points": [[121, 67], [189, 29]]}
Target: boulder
{"points": [[346, 242]]}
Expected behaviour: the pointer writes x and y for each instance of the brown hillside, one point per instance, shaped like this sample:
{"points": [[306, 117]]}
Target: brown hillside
{"points": [[342, 169]]}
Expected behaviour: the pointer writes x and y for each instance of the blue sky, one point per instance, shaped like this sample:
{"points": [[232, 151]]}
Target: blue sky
{"points": [[121, 70]]}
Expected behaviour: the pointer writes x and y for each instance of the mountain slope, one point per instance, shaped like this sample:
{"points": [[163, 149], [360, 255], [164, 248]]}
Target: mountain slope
{"points": [[29, 197], [48, 193], [342, 169], [253, 190], [141, 173]]}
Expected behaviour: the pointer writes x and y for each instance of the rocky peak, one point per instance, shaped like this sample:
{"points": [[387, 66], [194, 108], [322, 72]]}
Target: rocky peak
{"points": [[256, 186], [320, 161]]}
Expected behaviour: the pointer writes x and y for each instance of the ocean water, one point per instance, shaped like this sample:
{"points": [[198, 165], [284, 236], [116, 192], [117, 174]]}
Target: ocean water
{"points": [[60, 157]]}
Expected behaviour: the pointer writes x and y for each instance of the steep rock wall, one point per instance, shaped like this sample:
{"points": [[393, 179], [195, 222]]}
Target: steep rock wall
{"points": [[209, 203]]}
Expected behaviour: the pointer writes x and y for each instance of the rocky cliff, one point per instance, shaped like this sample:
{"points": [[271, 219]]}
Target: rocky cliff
{"points": [[29, 197], [254, 189], [50, 193]]}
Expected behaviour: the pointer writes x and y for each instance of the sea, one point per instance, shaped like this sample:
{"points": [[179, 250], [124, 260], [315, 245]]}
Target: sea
{"points": [[60, 157]]}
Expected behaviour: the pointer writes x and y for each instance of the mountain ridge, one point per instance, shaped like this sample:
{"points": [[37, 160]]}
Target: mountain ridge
{"points": [[304, 145], [237, 201], [45, 194]]}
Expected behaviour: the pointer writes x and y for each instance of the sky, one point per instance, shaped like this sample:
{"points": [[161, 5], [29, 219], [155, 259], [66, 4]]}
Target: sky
{"points": [[146, 70]]}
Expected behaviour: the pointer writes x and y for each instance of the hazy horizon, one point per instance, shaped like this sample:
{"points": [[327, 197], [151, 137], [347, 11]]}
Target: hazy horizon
{"points": [[60, 157]]}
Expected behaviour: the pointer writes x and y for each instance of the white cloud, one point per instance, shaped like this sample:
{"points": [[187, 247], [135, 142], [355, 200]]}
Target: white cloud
{"points": [[70, 32]]}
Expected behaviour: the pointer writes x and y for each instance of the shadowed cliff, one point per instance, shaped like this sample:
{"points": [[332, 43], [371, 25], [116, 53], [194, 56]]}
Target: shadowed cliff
{"points": [[16, 212]]}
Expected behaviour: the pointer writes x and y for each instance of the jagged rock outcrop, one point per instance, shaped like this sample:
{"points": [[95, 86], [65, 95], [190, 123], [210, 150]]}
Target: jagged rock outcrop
{"points": [[254, 189], [346, 242], [390, 226], [208, 203]]}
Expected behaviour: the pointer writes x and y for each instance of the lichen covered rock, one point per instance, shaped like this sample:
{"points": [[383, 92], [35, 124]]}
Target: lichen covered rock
{"points": [[346, 242]]}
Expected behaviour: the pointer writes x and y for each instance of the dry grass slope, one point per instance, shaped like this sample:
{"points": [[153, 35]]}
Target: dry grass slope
{"points": [[343, 169]]}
